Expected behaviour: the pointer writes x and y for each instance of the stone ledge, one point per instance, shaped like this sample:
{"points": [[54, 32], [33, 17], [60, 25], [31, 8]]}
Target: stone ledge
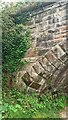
{"points": [[30, 59]]}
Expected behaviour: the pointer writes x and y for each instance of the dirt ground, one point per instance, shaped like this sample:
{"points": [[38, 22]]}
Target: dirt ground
{"points": [[64, 113]]}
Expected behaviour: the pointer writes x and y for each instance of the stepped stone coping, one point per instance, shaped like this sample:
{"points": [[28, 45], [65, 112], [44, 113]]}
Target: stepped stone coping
{"points": [[52, 65], [30, 59], [63, 42], [47, 67]]}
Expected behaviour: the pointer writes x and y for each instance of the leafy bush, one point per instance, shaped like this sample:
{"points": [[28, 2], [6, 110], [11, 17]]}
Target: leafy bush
{"points": [[14, 44], [16, 104], [21, 105]]}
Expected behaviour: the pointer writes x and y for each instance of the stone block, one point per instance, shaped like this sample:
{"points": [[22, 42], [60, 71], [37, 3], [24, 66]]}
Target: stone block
{"points": [[63, 45], [64, 58], [48, 67], [44, 44], [58, 52], [47, 75], [26, 79], [42, 52], [34, 76], [35, 85], [51, 56], [38, 68], [56, 72], [37, 20], [38, 42], [30, 59], [44, 85], [31, 90], [42, 81], [32, 72]]}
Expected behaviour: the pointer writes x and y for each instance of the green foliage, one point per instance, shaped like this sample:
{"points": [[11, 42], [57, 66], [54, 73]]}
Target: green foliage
{"points": [[0, 108], [21, 105], [15, 42]]}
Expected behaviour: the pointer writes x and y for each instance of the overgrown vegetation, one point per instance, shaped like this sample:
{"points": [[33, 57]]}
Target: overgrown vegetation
{"points": [[23, 105], [14, 46], [15, 42]]}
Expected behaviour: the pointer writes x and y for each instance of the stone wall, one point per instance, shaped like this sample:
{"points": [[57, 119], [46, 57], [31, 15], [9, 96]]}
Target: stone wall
{"points": [[46, 71], [48, 26], [48, 57]]}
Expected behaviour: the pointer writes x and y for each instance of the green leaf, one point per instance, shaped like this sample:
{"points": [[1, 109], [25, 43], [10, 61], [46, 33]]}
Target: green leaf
{"points": [[12, 108], [18, 106]]}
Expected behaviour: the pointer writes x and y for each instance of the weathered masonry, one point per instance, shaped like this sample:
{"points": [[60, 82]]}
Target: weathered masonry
{"points": [[48, 26], [49, 64]]}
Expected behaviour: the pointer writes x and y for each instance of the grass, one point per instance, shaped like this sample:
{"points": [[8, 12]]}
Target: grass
{"points": [[23, 105]]}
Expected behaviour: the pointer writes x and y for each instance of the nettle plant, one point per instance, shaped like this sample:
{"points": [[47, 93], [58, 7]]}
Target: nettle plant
{"points": [[15, 42]]}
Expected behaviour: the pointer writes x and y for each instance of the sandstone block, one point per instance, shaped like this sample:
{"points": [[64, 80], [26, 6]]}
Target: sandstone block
{"points": [[51, 56], [58, 51], [38, 68], [35, 85]]}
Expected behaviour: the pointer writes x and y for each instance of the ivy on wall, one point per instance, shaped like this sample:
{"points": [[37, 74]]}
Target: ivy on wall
{"points": [[15, 41]]}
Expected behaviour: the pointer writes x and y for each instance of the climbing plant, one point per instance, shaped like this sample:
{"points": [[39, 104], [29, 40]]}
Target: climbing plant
{"points": [[15, 41]]}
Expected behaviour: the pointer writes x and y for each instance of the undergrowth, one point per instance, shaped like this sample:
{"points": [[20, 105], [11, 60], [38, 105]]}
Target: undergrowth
{"points": [[24, 105]]}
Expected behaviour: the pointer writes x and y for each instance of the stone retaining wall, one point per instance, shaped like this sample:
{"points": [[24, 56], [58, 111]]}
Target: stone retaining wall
{"points": [[48, 26], [48, 57], [45, 71]]}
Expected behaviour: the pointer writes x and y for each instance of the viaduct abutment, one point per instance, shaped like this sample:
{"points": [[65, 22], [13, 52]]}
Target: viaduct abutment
{"points": [[48, 57]]}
